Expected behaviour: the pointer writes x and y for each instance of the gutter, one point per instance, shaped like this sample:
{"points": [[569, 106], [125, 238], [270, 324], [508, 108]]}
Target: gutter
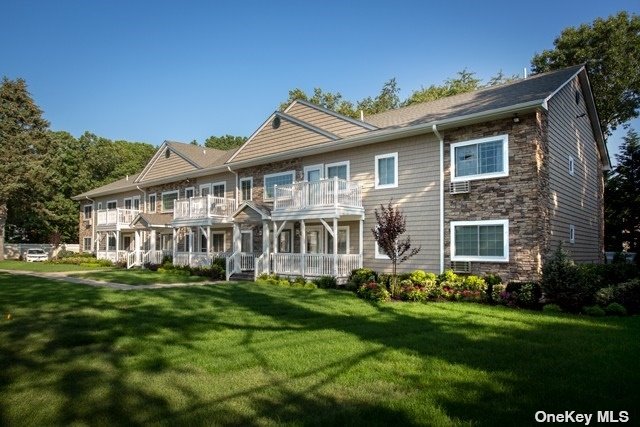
{"points": [[434, 128], [354, 141]]}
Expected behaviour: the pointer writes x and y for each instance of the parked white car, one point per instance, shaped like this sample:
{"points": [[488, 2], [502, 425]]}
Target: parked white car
{"points": [[35, 255]]}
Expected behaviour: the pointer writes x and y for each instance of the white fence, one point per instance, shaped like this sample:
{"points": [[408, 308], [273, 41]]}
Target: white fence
{"points": [[17, 250], [315, 264]]}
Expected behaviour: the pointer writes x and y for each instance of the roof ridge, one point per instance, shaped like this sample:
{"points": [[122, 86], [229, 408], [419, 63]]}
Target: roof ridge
{"points": [[335, 114], [308, 126]]}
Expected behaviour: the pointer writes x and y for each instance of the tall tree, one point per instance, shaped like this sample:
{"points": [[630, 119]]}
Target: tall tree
{"points": [[329, 100], [387, 99], [622, 198], [611, 49], [23, 148], [465, 81], [225, 142], [390, 225]]}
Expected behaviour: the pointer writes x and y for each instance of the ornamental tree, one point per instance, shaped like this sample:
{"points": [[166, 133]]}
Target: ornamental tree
{"points": [[390, 225]]}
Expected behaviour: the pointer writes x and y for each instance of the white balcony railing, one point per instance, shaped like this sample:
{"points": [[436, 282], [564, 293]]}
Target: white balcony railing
{"points": [[118, 216], [203, 207], [315, 264], [326, 193]]}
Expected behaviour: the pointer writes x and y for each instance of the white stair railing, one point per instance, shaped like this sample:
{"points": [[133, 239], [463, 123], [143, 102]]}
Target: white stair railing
{"points": [[231, 265]]}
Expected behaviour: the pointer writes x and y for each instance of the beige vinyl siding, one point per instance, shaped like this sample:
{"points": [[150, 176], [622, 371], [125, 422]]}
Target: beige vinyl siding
{"points": [[418, 195], [164, 167], [119, 198], [333, 124], [287, 137], [574, 199]]}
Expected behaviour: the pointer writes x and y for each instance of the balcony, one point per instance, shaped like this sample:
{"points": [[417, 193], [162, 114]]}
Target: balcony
{"points": [[203, 209], [116, 218], [327, 198]]}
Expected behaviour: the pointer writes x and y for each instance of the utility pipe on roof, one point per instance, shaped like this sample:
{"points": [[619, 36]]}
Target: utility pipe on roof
{"points": [[434, 128]]}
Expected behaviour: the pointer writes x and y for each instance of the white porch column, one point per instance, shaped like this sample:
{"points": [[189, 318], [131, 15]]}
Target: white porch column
{"points": [[190, 244], [237, 238], [117, 244], [303, 246], [208, 242], [152, 241], [174, 247], [275, 238], [265, 245], [361, 244], [335, 247], [136, 243]]}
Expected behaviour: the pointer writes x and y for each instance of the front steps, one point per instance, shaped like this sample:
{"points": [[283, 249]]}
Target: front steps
{"points": [[245, 276]]}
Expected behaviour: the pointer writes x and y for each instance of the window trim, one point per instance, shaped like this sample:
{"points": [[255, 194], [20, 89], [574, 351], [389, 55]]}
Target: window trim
{"points": [[162, 210], [193, 189], [151, 208], [346, 163], [112, 201], [84, 212], [224, 240], [250, 180], [124, 202], [327, 235], [478, 258], [84, 244], [201, 186], [133, 204], [318, 167], [572, 234], [505, 157], [272, 175], [99, 206], [395, 177], [224, 185]]}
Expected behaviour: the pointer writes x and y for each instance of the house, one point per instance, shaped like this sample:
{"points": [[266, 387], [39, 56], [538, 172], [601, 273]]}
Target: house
{"points": [[489, 181]]}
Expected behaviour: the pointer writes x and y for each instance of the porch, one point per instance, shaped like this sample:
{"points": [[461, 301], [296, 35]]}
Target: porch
{"points": [[118, 217], [204, 207]]}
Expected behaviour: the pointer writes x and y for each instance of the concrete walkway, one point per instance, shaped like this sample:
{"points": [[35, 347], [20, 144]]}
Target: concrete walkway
{"points": [[63, 276]]}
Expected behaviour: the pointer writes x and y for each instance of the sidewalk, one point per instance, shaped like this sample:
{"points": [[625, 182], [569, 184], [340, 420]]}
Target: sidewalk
{"points": [[63, 276]]}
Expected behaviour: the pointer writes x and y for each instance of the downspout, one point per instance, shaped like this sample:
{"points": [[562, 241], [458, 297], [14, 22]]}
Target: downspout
{"points": [[144, 200], [237, 195], [434, 128], [93, 225], [146, 235]]}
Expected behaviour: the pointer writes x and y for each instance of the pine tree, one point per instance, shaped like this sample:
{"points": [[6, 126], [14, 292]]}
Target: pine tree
{"points": [[23, 146]]}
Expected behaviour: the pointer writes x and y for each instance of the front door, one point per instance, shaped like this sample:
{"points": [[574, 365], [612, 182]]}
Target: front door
{"points": [[126, 242], [246, 244]]}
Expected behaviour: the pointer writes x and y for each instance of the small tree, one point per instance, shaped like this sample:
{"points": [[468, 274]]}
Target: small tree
{"points": [[390, 225]]}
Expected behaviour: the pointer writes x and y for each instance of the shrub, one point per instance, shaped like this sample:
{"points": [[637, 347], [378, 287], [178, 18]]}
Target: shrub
{"points": [[220, 262], [626, 294], [360, 276], [593, 310], [151, 266], [448, 276], [567, 285], [373, 292], [606, 296], [496, 293], [217, 273], [615, 309], [81, 260], [491, 280], [419, 277], [526, 294], [551, 308], [167, 259], [326, 282]]}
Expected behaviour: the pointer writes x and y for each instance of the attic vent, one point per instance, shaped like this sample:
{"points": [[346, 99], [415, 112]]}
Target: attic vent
{"points": [[459, 187], [461, 266], [275, 123], [167, 153]]}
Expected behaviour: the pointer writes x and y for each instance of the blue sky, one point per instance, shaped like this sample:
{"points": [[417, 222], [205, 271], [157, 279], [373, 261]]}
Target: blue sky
{"points": [[150, 71]]}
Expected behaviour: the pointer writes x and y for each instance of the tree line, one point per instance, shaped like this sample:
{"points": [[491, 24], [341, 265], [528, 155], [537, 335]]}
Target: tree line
{"points": [[40, 169]]}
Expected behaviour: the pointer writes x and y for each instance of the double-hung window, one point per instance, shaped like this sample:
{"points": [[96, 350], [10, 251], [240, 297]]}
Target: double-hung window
{"points": [[480, 158], [152, 203], [87, 244], [246, 186], [167, 200], [480, 240], [88, 211], [271, 180], [386, 170], [218, 189], [339, 169]]}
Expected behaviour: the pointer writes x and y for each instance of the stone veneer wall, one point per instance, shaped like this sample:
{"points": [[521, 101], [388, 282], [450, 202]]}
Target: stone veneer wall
{"points": [[520, 197], [258, 172], [85, 229]]}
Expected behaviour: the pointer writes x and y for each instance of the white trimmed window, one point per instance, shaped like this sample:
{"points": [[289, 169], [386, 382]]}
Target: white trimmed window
{"points": [[218, 189], [480, 158], [189, 192], [387, 170], [127, 203], [167, 200], [136, 203], [217, 242], [379, 253], [246, 189], [112, 204], [86, 244], [271, 180], [572, 233], [88, 211], [205, 190], [480, 240], [152, 203], [572, 166], [338, 169]]}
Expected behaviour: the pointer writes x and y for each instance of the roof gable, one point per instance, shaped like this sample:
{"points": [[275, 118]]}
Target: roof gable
{"points": [[166, 162], [283, 134]]}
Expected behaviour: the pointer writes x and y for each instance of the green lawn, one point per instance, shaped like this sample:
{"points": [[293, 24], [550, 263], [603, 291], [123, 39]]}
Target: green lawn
{"points": [[139, 277], [247, 354], [44, 267]]}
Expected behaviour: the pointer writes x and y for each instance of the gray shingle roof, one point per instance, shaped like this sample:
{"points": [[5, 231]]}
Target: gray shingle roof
{"points": [[202, 156], [536, 87]]}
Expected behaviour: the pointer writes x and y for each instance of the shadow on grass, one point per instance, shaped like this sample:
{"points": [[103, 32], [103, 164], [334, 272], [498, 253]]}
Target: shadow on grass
{"points": [[234, 354]]}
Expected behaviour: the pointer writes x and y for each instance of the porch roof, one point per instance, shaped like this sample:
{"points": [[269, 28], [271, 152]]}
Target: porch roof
{"points": [[152, 220]]}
